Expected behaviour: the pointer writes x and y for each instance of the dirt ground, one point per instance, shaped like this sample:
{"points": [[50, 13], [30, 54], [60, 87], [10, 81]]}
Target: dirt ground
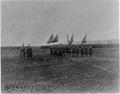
{"points": [[46, 73]]}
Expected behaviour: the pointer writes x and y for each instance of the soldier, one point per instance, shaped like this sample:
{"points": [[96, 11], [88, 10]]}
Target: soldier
{"points": [[59, 53], [90, 50], [63, 50], [81, 50], [87, 50], [29, 52], [68, 51], [71, 51], [25, 51], [22, 51], [53, 50], [77, 51], [50, 50], [84, 50]]}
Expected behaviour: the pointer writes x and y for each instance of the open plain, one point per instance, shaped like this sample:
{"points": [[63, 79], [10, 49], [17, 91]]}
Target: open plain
{"points": [[45, 73]]}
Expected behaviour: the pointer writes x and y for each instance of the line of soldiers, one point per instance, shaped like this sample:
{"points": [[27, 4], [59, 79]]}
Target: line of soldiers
{"points": [[26, 52], [84, 50]]}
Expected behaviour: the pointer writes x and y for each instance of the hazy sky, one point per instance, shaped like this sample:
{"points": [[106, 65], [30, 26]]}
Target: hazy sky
{"points": [[34, 21]]}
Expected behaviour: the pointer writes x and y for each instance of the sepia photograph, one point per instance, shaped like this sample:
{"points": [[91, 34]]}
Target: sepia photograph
{"points": [[60, 46]]}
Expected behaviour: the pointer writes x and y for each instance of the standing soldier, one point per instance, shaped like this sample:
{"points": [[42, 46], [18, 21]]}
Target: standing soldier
{"points": [[71, 51], [22, 51], [66, 50], [81, 50], [26, 52], [29, 52], [53, 50], [59, 52], [84, 50], [77, 51], [87, 50], [50, 51], [90, 50]]}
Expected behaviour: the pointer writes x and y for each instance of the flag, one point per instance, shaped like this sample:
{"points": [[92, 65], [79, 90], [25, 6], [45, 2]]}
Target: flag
{"points": [[55, 39], [71, 41], [68, 39], [50, 39], [84, 40]]}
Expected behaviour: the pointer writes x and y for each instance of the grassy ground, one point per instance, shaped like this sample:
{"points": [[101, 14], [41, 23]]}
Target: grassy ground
{"points": [[71, 74]]}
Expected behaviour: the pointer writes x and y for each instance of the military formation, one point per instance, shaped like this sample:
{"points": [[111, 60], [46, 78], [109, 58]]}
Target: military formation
{"points": [[26, 52], [60, 51], [74, 51]]}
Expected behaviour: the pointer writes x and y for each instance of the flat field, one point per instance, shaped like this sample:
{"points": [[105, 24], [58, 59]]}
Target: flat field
{"points": [[46, 73]]}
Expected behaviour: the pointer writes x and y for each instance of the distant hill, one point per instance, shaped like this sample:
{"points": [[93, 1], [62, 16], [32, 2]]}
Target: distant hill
{"points": [[111, 41]]}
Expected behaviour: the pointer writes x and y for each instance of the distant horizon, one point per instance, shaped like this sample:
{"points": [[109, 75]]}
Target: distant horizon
{"points": [[117, 40]]}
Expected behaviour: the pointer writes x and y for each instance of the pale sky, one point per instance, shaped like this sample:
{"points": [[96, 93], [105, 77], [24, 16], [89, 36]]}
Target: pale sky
{"points": [[34, 21]]}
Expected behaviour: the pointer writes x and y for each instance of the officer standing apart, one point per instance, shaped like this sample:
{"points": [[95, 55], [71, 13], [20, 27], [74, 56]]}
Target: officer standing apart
{"points": [[22, 51]]}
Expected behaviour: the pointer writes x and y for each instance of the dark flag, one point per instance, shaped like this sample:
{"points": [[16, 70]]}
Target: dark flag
{"points": [[71, 41], [50, 39], [55, 39], [84, 40], [68, 39]]}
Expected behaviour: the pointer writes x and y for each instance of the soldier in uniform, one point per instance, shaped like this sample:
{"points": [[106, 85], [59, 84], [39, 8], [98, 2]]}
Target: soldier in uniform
{"points": [[26, 52], [68, 51], [50, 50], [59, 53], [63, 50], [71, 51], [22, 51], [53, 50], [29, 52], [85, 54], [56, 50], [82, 51], [90, 50], [77, 51]]}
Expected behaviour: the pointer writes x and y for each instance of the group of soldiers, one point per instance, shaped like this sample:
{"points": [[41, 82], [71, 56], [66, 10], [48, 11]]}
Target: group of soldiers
{"points": [[84, 50], [26, 52]]}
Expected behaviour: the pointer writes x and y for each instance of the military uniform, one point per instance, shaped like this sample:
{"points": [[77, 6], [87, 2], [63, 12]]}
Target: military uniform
{"points": [[90, 51], [22, 52], [29, 52]]}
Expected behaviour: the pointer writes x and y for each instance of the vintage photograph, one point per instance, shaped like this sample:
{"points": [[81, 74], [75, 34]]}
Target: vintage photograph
{"points": [[60, 46]]}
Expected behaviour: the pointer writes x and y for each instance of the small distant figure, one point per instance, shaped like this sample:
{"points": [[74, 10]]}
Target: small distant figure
{"points": [[90, 50], [81, 50], [86, 51], [29, 52], [26, 52], [59, 53], [22, 51]]}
